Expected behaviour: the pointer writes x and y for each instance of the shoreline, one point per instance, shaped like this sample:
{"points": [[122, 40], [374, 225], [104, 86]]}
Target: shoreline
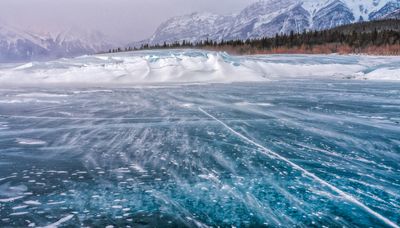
{"points": [[253, 52]]}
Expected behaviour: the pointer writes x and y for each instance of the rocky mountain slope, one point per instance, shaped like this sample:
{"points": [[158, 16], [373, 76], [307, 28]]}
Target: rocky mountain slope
{"points": [[268, 17]]}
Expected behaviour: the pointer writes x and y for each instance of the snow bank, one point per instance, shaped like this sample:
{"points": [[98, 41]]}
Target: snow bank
{"points": [[189, 66]]}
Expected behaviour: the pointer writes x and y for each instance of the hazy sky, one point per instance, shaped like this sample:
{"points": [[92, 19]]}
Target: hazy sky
{"points": [[123, 20]]}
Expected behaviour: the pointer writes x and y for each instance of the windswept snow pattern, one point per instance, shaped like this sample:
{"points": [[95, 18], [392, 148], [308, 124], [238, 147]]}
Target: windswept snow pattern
{"points": [[192, 66], [290, 153]]}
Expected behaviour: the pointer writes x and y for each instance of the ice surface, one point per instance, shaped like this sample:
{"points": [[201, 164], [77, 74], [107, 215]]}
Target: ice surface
{"points": [[278, 153], [191, 66]]}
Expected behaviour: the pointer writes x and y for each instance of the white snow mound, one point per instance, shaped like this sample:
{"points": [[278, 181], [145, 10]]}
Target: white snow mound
{"points": [[191, 66]]}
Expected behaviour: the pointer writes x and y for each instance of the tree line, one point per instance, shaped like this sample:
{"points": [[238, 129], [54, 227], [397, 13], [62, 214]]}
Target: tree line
{"points": [[376, 37]]}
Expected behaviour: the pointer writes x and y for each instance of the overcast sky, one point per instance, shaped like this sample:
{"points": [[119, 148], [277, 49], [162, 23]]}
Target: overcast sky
{"points": [[123, 20]]}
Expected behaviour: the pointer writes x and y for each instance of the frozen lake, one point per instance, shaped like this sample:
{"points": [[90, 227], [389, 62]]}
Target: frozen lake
{"points": [[282, 153]]}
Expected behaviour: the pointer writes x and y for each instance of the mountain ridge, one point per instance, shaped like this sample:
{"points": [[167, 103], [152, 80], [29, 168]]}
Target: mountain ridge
{"points": [[269, 17], [18, 45]]}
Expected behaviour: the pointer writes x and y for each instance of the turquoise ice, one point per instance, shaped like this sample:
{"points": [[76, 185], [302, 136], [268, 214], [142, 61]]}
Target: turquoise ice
{"points": [[303, 153]]}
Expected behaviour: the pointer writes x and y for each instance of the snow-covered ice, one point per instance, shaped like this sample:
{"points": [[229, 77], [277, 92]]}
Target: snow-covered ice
{"points": [[191, 66]]}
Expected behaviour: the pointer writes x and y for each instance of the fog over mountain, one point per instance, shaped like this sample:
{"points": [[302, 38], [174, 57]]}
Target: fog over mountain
{"points": [[19, 45], [35, 29], [121, 20]]}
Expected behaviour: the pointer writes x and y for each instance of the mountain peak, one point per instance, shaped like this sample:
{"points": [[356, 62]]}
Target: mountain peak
{"points": [[190, 27]]}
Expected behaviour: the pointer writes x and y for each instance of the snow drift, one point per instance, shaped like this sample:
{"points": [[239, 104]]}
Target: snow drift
{"points": [[191, 66]]}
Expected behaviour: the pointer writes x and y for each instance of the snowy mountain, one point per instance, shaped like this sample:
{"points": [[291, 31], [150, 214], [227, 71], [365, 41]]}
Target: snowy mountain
{"points": [[268, 17], [196, 26], [394, 15], [17, 45]]}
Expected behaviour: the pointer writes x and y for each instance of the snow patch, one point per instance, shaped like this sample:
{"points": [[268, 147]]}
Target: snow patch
{"points": [[33, 142], [12, 199], [32, 202], [46, 95]]}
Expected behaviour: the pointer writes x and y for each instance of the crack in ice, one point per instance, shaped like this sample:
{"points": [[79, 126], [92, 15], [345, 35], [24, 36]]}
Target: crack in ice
{"points": [[59, 222], [269, 152]]}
